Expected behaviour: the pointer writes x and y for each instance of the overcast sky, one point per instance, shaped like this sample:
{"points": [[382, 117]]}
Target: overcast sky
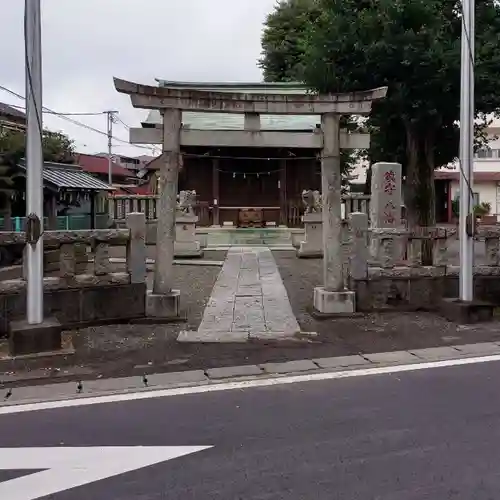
{"points": [[87, 42]]}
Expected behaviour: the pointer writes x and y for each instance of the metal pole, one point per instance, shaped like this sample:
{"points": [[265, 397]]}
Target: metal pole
{"points": [[34, 162], [466, 222], [110, 137]]}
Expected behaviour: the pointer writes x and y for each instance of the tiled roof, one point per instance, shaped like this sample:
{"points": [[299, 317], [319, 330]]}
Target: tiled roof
{"points": [[229, 121], [135, 190], [65, 176], [99, 165], [7, 110]]}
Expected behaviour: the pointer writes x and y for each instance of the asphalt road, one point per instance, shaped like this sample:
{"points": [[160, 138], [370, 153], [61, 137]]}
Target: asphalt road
{"points": [[430, 434]]}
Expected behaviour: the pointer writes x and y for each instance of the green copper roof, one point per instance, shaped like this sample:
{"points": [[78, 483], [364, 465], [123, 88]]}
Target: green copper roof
{"points": [[229, 121], [231, 87]]}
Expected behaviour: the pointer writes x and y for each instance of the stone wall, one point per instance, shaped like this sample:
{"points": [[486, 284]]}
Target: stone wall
{"points": [[80, 284], [396, 278]]}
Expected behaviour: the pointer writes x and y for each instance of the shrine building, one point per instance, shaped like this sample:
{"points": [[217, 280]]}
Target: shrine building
{"points": [[246, 168]]}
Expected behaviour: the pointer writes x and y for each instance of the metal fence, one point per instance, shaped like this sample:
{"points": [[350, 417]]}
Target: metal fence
{"points": [[64, 222]]}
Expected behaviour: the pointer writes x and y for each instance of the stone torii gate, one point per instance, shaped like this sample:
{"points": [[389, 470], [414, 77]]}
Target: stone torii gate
{"points": [[163, 301]]}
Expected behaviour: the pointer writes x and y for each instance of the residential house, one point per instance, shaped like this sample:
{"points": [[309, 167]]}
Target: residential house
{"points": [[486, 179], [73, 199], [11, 118], [98, 166]]}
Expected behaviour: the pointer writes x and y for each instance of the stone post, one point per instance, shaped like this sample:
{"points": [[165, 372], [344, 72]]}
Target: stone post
{"points": [[163, 301], [332, 298], [186, 244], [385, 204], [136, 247], [358, 259], [312, 246]]}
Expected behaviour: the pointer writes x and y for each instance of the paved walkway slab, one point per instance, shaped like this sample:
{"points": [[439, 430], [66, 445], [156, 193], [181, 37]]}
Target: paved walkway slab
{"points": [[248, 298]]}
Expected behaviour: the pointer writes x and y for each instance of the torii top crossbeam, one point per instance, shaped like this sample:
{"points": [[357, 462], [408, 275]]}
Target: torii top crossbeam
{"points": [[150, 97]]}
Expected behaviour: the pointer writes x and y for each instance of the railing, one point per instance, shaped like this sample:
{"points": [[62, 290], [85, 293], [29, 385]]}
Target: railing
{"points": [[121, 205], [203, 211], [64, 222], [76, 259], [355, 202]]}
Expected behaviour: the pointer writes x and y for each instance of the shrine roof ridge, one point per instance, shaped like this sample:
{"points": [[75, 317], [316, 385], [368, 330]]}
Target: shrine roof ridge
{"points": [[247, 87]]}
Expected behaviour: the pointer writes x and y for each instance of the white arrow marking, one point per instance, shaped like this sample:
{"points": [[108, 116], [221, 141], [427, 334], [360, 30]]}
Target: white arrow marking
{"points": [[68, 468]]}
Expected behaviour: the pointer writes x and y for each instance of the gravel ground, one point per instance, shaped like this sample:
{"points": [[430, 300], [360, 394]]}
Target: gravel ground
{"points": [[371, 332], [125, 350]]}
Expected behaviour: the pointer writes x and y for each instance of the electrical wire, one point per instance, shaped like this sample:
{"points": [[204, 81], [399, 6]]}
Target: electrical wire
{"points": [[60, 113], [318, 157], [78, 123], [122, 122]]}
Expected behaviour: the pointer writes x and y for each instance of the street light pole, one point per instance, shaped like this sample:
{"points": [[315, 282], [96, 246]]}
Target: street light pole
{"points": [[466, 220], [34, 162]]}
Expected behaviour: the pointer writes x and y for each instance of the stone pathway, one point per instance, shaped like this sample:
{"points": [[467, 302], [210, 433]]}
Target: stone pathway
{"points": [[248, 301]]}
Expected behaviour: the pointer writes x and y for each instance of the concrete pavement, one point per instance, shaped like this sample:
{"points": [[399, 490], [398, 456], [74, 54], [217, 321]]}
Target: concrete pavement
{"points": [[429, 433], [213, 376]]}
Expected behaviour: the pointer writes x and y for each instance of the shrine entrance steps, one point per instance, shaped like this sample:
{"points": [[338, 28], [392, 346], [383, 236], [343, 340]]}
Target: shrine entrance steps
{"points": [[231, 236]]}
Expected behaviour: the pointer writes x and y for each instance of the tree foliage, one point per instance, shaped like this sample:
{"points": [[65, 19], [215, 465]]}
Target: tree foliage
{"points": [[284, 43], [57, 147], [284, 40], [413, 47]]}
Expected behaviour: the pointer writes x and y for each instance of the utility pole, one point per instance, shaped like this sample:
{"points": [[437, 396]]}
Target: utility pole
{"points": [[111, 119], [467, 222], [34, 163]]}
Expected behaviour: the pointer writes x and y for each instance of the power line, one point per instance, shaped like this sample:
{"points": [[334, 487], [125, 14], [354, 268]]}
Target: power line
{"points": [[78, 123], [122, 122], [60, 113]]}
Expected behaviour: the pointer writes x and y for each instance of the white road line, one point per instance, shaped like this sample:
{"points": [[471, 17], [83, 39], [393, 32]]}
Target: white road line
{"points": [[66, 468], [246, 384]]}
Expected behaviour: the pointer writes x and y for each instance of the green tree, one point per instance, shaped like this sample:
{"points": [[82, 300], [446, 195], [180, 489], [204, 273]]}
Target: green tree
{"points": [[284, 42], [57, 147], [413, 47]]}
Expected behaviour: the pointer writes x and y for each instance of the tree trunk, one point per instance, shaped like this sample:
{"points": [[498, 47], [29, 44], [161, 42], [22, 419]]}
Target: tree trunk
{"points": [[368, 181], [419, 190]]}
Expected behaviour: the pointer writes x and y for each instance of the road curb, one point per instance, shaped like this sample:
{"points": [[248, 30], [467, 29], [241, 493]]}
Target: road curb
{"points": [[213, 376]]}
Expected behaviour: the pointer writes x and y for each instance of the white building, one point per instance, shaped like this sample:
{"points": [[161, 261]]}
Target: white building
{"points": [[486, 178]]}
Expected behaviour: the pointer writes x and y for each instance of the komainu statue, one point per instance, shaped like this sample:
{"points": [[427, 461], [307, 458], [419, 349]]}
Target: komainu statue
{"points": [[312, 201], [186, 201]]}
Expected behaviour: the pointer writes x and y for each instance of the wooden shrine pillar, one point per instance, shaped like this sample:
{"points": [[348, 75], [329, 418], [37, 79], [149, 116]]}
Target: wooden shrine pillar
{"points": [[215, 192], [51, 211], [283, 194], [92, 210]]}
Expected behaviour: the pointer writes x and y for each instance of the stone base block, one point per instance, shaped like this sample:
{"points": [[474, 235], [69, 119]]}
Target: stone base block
{"points": [[334, 303], [465, 312], [306, 251], [187, 249], [33, 339], [163, 306]]}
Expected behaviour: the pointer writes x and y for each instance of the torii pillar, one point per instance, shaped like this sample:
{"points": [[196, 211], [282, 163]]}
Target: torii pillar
{"points": [[171, 101], [164, 301]]}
